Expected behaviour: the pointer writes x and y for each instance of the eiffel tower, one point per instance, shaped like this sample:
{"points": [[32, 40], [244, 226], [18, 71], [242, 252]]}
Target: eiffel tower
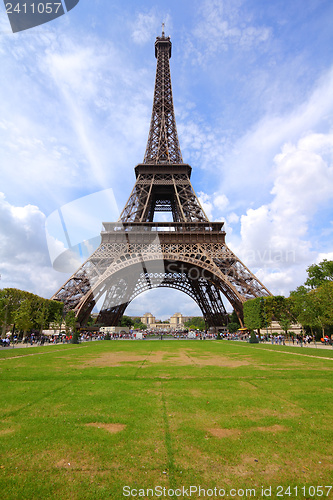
{"points": [[137, 254]]}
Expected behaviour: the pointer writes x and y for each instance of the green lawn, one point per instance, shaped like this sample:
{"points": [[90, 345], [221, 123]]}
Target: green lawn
{"points": [[83, 422]]}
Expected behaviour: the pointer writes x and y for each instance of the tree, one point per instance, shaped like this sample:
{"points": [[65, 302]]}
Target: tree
{"points": [[11, 299], [57, 322], [285, 322], [196, 323], [70, 321], [233, 323], [305, 308], [3, 313], [41, 315], [311, 304], [42, 311], [126, 321], [320, 273], [138, 325], [254, 317], [276, 306], [23, 317], [322, 299]]}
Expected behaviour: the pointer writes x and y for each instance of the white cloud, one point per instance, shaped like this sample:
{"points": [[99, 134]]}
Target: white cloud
{"points": [[202, 145], [65, 123], [247, 167], [224, 24], [322, 256], [24, 258], [144, 28], [220, 201], [206, 204], [233, 218], [276, 237]]}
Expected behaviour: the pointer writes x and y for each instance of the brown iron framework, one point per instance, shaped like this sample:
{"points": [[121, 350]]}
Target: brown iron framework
{"points": [[137, 254], [163, 144]]}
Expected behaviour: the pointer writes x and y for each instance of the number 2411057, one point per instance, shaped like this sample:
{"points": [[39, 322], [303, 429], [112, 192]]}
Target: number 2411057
{"points": [[33, 8]]}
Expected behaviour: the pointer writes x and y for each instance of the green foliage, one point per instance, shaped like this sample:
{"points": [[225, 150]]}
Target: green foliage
{"points": [[301, 306], [322, 300], [41, 315], [253, 338], [57, 321], [196, 323], [313, 308], [233, 327], [138, 325], [276, 307], [75, 337], [126, 321], [285, 322], [70, 321], [254, 313], [312, 303], [16, 305], [260, 312], [10, 300], [320, 273], [233, 323], [23, 316]]}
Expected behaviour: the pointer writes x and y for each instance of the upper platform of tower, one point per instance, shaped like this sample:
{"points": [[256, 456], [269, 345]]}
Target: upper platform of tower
{"points": [[163, 144]]}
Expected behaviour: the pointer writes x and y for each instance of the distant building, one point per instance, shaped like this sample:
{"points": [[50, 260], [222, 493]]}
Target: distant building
{"points": [[176, 322], [275, 329], [148, 319]]}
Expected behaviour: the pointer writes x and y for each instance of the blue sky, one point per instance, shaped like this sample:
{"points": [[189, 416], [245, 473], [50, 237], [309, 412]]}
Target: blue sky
{"points": [[252, 86]]}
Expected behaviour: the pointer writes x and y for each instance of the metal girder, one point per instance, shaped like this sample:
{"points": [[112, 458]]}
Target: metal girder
{"points": [[167, 191], [202, 290], [163, 144], [204, 270]]}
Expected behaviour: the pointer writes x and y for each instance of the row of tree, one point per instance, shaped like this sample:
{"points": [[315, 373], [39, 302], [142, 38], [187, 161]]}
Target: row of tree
{"points": [[24, 311], [310, 305]]}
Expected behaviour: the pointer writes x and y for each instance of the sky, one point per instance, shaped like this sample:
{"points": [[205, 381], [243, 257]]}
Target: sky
{"points": [[253, 94]]}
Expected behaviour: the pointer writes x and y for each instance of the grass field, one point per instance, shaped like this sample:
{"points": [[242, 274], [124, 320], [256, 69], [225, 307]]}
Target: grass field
{"points": [[84, 422]]}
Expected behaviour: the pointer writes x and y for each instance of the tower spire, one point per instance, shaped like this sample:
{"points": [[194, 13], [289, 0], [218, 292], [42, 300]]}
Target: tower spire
{"points": [[163, 144]]}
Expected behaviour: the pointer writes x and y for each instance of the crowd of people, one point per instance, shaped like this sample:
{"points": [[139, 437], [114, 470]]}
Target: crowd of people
{"points": [[5, 342], [86, 336], [37, 339]]}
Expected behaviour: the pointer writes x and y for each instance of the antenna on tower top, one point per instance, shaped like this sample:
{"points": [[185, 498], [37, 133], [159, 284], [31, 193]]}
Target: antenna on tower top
{"points": [[163, 28]]}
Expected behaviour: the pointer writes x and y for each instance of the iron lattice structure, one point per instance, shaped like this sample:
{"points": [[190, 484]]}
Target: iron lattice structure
{"points": [[137, 254], [163, 144]]}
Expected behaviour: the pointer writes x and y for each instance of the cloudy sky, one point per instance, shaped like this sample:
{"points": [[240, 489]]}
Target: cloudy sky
{"points": [[253, 94]]}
